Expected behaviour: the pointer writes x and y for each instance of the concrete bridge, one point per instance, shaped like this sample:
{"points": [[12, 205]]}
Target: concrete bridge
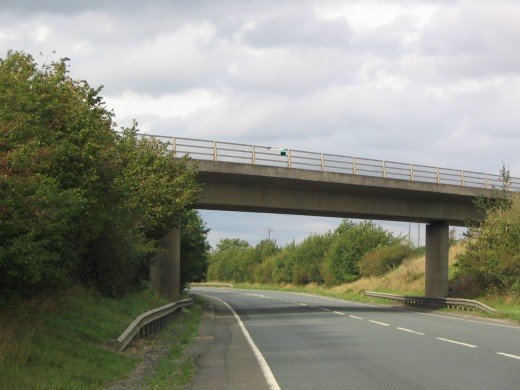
{"points": [[251, 178]]}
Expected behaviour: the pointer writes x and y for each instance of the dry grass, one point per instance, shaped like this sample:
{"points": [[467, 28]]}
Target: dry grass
{"points": [[406, 279]]}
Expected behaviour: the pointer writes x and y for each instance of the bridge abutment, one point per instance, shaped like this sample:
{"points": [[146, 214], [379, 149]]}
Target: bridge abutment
{"points": [[437, 249], [166, 267]]}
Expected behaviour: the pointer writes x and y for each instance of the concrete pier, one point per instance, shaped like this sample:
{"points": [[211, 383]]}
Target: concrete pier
{"points": [[166, 267], [437, 248]]}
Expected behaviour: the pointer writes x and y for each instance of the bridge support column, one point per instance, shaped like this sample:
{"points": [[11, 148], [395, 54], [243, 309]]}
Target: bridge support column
{"points": [[165, 272], [437, 248]]}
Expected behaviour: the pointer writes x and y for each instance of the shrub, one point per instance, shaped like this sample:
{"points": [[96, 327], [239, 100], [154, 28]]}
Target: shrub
{"points": [[383, 260], [492, 257], [80, 203], [349, 243]]}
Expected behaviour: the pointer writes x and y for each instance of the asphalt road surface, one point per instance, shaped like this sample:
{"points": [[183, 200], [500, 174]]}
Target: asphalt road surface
{"points": [[309, 342]]}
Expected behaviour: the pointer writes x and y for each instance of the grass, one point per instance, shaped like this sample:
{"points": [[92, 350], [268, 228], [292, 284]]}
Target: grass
{"points": [[175, 370], [61, 342]]}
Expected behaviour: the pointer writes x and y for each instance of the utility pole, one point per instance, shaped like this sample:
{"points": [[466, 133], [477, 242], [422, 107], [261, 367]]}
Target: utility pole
{"points": [[269, 230]]}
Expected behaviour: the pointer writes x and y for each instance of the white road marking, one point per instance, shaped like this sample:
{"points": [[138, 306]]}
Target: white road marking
{"points": [[302, 304], [266, 370], [457, 342], [340, 313], [509, 355], [411, 331], [355, 317], [378, 323]]}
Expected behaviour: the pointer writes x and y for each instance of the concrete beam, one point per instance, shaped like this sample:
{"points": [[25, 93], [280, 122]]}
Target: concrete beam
{"points": [[436, 273], [241, 187]]}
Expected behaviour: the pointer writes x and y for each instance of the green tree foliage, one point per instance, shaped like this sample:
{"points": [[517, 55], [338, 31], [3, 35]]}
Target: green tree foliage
{"points": [[79, 202], [235, 260], [383, 260], [231, 243], [350, 242], [330, 258], [492, 257], [194, 248], [308, 258]]}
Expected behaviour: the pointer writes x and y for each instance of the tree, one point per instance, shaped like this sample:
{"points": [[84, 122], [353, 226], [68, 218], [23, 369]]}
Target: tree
{"points": [[194, 248], [79, 202], [492, 258], [56, 145], [227, 244], [310, 255], [349, 243]]}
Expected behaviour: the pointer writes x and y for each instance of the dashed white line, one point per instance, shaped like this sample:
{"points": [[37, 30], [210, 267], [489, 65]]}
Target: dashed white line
{"points": [[508, 355], [355, 317], [302, 304], [339, 312], [411, 331], [379, 323], [457, 342]]}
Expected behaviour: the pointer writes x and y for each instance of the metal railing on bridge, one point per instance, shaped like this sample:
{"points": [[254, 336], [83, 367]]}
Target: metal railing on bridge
{"points": [[290, 158]]}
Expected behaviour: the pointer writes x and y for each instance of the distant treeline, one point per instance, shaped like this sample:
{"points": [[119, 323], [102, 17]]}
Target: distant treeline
{"points": [[81, 203], [341, 256]]}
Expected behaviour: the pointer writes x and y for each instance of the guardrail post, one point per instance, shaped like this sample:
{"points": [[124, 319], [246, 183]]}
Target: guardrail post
{"points": [[462, 177], [322, 163], [486, 181], [174, 148], [384, 169], [214, 150], [253, 157], [289, 158], [411, 172], [353, 165]]}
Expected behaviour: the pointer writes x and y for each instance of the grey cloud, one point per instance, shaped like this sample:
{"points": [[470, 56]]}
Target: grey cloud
{"points": [[298, 28], [475, 40]]}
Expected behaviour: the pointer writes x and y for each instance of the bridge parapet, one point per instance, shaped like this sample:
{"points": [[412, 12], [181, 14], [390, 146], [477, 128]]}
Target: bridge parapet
{"points": [[199, 149]]}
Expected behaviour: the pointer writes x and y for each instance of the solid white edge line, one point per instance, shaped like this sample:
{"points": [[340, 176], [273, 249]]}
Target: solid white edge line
{"points": [[378, 323], [508, 355], [266, 370], [411, 331], [457, 342]]}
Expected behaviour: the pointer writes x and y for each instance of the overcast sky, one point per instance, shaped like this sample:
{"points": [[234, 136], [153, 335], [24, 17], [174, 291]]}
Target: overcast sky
{"points": [[428, 82]]}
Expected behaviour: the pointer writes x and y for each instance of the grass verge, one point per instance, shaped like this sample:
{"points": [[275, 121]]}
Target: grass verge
{"points": [[60, 342], [175, 370]]}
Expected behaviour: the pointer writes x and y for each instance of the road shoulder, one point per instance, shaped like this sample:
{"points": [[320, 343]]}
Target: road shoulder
{"points": [[222, 354]]}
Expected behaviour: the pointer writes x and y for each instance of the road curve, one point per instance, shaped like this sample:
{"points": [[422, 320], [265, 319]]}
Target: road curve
{"points": [[312, 342]]}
